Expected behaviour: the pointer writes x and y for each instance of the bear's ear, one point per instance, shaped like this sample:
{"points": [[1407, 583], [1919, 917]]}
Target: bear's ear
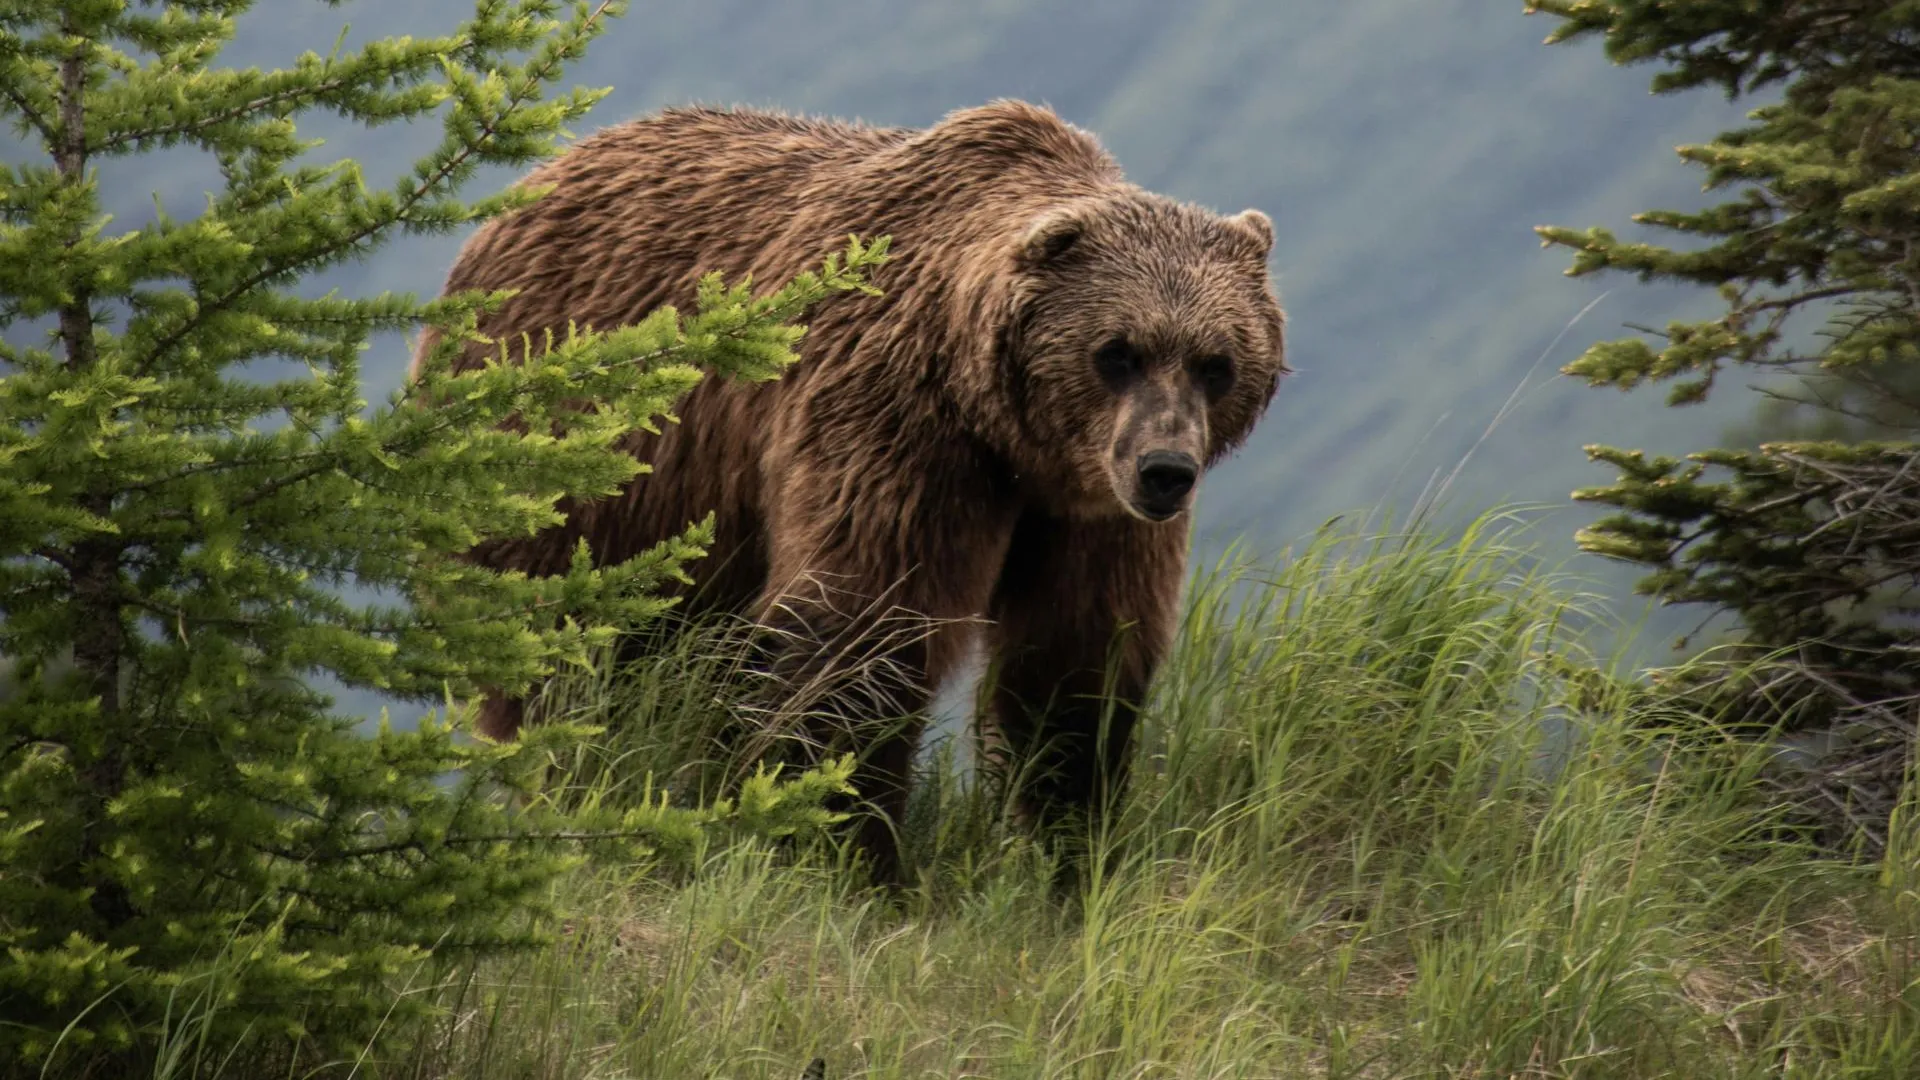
{"points": [[1258, 225], [1051, 235]]}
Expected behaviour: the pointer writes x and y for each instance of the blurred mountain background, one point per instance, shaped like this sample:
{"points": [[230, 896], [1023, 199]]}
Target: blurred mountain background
{"points": [[1403, 150]]}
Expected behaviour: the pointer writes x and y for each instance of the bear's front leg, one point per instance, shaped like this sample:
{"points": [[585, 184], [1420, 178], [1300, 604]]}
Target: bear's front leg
{"points": [[1081, 617], [878, 572]]}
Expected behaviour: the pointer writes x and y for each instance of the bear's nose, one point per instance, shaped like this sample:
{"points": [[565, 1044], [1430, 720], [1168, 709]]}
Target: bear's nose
{"points": [[1165, 478]]}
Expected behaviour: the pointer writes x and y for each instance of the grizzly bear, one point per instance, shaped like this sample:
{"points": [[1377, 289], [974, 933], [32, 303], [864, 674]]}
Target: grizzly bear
{"points": [[1003, 442]]}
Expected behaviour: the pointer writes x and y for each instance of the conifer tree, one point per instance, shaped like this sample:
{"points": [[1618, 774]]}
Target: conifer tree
{"points": [[187, 830], [1813, 544]]}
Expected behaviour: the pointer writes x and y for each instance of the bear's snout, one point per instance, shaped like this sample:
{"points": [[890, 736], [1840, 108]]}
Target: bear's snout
{"points": [[1164, 478]]}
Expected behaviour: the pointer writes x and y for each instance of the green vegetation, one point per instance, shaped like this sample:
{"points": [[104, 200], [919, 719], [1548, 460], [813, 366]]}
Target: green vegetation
{"points": [[1813, 546], [188, 477], [1355, 852], [1392, 818]]}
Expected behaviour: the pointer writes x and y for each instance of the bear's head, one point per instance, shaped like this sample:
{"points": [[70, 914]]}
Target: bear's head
{"points": [[1143, 342]]}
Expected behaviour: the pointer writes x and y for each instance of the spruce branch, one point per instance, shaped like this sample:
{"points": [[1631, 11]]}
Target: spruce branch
{"points": [[428, 182]]}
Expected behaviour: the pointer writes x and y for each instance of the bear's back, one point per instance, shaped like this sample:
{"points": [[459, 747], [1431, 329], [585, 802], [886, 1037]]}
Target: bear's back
{"points": [[639, 211]]}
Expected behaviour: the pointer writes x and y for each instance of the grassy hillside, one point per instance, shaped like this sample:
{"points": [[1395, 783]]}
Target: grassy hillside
{"points": [[1400, 809], [1352, 853]]}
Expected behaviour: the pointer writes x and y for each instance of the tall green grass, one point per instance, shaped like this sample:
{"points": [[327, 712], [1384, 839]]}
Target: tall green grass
{"points": [[1376, 831]]}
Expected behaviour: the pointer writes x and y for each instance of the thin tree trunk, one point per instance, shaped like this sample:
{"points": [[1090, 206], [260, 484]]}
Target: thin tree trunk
{"points": [[99, 647]]}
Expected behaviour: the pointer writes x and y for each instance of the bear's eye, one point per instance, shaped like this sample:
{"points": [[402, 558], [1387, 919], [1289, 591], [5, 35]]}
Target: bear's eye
{"points": [[1118, 361], [1215, 374]]}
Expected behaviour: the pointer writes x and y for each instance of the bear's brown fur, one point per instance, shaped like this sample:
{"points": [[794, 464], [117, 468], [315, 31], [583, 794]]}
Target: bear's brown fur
{"points": [[1009, 431]]}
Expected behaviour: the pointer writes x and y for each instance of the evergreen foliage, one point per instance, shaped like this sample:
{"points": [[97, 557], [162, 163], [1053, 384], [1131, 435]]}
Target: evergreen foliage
{"points": [[1813, 544], [189, 480]]}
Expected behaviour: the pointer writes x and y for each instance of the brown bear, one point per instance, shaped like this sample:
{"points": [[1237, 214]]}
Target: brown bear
{"points": [[1002, 442]]}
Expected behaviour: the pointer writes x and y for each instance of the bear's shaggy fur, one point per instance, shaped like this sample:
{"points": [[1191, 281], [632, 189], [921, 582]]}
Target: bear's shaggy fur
{"points": [[1010, 431]]}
